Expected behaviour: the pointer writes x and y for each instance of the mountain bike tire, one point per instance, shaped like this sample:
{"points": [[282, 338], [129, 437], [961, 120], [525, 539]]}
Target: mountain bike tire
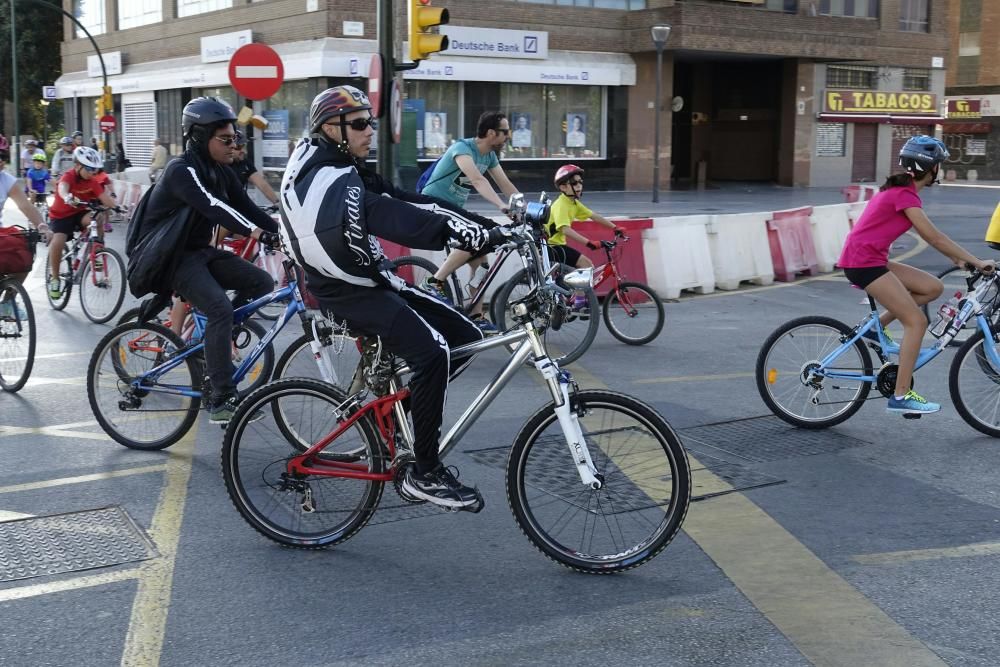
{"points": [[633, 313], [17, 338], [100, 302], [974, 385]]}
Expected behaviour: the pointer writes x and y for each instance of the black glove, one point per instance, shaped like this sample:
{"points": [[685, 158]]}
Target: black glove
{"points": [[499, 235], [592, 245], [271, 239], [467, 236], [619, 232]]}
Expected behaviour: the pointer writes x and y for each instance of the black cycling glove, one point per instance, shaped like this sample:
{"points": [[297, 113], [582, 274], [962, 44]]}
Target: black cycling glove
{"points": [[272, 239]]}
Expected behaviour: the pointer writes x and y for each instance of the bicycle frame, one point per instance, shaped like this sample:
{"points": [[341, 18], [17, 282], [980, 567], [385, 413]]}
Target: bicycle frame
{"points": [[530, 347], [240, 315], [973, 308], [494, 271]]}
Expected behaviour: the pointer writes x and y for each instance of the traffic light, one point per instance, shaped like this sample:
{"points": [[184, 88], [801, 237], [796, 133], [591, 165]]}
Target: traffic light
{"points": [[99, 107], [108, 100], [423, 17]]}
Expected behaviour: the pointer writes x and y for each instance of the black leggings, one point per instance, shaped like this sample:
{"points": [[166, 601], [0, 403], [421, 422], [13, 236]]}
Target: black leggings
{"points": [[420, 329]]}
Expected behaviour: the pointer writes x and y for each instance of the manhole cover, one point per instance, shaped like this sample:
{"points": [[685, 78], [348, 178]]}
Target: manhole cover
{"points": [[761, 439], [71, 542]]}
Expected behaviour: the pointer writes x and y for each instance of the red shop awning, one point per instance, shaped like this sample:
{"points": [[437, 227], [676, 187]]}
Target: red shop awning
{"points": [[955, 127], [895, 119]]}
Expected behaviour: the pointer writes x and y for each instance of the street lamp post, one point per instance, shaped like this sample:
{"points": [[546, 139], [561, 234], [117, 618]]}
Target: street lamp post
{"points": [[660, 34]]}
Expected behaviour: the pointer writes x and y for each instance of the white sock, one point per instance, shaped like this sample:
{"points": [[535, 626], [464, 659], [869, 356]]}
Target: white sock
{"points": [[899, 398]]}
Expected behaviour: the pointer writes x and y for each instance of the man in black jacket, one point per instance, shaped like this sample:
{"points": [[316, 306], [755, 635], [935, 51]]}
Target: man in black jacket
{"points": [[332, 211], [200, 179]]}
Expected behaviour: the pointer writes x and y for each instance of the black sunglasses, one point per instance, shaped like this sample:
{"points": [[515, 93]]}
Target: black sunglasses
{"points": [[359, 124], [227, 141], [505, 130]]}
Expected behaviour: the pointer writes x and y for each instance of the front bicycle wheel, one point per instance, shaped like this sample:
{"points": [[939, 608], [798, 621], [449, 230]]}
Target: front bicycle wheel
{"points": [[787, 382], [577, 315], [415, 270], [297, 510], [974, 384], [17, 335], [633, 313], [646, 484], [65, 276], [340, 358], [146, 417], [102, 285]]}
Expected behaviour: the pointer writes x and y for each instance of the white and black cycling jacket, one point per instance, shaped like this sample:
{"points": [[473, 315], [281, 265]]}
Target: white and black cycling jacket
{"points": [[331, 215]]}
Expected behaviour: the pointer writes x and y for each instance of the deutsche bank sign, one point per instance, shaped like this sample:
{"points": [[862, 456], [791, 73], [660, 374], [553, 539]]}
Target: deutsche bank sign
{"points": [[495, 43]]}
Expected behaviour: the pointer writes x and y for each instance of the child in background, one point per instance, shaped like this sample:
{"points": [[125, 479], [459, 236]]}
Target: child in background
{"points": [[37, 177], [566, 210]]}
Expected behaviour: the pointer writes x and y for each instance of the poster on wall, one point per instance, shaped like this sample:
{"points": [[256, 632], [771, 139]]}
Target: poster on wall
{"points": [[521, 136], [416, 107], [275, 146], [435, 132], [576, 130]]}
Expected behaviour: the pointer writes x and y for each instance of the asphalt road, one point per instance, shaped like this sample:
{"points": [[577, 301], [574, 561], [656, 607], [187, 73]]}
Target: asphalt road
{"points": [[872, 543]]}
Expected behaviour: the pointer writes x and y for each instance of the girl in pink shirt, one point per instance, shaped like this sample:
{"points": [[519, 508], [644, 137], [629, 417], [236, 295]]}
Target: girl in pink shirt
{"points": [[902, 289]]}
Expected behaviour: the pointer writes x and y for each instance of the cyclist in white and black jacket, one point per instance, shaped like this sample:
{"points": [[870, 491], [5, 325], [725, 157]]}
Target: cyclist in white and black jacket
{"points": [[202, 180], [332, 214]]}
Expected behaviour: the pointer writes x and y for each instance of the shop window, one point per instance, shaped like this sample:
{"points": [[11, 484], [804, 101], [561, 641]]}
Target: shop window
{"points": [[287, 112], [851, 76], [913, 15], [169, 104], [224, 93], [916, 79], [851, 8], [787, 6], [90, 13], [134, 13], [192, 7], [831, 139], [437, 114], [965, 149]]}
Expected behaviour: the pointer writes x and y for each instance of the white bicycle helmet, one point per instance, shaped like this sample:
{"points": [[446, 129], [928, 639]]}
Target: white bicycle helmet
{"points": [[88, 157]]}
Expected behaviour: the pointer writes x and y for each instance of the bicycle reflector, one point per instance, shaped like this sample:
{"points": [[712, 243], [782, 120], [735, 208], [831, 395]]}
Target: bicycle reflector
{"points": [[772, 376]]}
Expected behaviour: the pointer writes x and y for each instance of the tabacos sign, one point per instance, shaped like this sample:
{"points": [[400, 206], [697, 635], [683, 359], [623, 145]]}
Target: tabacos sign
{"points": [[965, 109], [871, 101]]}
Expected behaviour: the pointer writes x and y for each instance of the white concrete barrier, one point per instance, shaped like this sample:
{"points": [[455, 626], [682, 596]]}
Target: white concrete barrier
{"points": [[678, 256], [739, 249], [855, 210], [830, 225]]}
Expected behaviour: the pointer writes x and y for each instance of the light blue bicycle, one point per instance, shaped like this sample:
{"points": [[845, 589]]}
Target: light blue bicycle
{"points": [[816, 371]]}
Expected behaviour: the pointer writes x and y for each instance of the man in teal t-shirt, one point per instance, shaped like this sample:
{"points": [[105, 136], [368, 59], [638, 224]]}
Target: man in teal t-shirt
{"points": [[459, 170]]}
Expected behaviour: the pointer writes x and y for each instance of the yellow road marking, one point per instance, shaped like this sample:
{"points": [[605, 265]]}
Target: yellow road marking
{"points": [[23, 592], [30, 486], [693, 378], [823, 615], [963, 551], [147, 625]]}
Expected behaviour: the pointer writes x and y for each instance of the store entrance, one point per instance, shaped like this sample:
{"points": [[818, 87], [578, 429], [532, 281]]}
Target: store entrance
{"points": [[728, 124]]}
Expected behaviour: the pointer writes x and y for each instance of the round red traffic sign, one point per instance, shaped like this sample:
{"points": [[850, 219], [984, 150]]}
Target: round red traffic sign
{"points": [[256, 71], [108, 124]]}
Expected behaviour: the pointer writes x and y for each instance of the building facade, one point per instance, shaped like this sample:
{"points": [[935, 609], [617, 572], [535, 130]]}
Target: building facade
{"points": [[972, 128], [798, 92]]}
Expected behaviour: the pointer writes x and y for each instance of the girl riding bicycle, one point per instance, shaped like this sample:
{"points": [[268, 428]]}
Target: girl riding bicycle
{"points": [[902, 289]]}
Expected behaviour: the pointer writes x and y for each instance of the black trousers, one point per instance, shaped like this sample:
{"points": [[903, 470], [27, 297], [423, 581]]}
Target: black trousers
{"points": [[421, 330], [202, 278]]}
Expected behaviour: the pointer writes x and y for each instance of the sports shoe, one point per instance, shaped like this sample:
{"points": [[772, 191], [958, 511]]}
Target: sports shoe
{"points": [[485, 325], [436, 289], [441, 487], [108, 227], [223, 409], [55, 288], [912, 404], [578, 302]]}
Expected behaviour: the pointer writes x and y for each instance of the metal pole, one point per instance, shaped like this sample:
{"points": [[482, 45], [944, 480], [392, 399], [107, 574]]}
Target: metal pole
{"points": [[16, 144], [386, 41], [656, 124]]}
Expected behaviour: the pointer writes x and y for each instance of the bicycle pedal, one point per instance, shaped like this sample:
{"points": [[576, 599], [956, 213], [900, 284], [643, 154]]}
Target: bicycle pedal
{"points": [[911, 416]]}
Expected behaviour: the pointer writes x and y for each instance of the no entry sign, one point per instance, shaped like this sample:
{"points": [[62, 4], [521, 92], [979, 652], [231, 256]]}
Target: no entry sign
{"points": [[256, 71], [108, 124]]}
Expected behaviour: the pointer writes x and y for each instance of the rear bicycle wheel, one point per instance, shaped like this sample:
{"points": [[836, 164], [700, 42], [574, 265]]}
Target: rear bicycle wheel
{"points": [[102, 288], [341, 359], [578, 315], [633, 313], [306, 512], [784, 372], [974, 385], [65, 275], [17, 335], [142, 418], [415, 270], [646, 484]]}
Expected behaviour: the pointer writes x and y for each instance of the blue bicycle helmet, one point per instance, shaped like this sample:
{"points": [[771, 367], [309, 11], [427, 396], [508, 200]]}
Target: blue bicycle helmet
{"points": [[921, 154]]}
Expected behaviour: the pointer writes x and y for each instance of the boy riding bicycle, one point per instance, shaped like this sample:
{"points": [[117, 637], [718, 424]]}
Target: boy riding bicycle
{"points": [[37, 177], [566, 210], [70, 212]]}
